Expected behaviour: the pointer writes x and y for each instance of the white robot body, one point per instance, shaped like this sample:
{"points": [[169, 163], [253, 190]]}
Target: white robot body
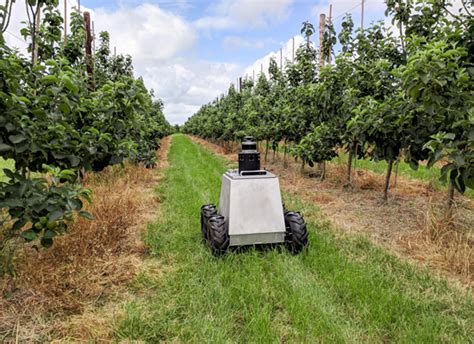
{"points": [[252, 207]]}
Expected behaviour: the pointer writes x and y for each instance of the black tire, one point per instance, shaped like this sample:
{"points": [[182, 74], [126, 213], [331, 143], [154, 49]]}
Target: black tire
{"points": [[296, 238], [218, 235], [207, 211]]}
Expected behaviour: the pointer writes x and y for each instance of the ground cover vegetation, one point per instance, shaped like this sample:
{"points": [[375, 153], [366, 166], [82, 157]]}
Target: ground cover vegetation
{"points": [[384, 97], [343, 288], [71, 291], [413, 225], [63, 113]]}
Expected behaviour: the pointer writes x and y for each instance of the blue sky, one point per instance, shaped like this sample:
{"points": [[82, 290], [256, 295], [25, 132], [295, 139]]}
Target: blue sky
{"points": [[215, 44], [189, 51]]}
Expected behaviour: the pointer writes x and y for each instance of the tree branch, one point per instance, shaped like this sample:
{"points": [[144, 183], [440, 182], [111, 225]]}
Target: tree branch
{"points": [[463, 2], [8, 15]]}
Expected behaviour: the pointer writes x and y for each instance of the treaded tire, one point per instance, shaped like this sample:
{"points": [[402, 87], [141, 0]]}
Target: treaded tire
{"points": [[218, 235], [296, 238], [207, 211]]}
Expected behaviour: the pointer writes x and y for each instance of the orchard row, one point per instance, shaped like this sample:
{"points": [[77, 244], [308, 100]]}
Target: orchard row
{"points": [[384, 97], [59, 119]]}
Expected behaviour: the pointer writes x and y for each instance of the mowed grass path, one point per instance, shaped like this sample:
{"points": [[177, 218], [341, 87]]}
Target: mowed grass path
{"points": [[343, 289]]}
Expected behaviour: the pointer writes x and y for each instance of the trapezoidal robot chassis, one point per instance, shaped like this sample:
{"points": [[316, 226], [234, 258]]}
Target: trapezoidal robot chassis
{"points": [[250, 209]]}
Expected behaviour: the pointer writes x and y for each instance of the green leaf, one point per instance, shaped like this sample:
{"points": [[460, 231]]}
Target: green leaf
{"points": [[19, 224], [55, 215], [414, 165], [414, 92], [49, 234], [74, 160], [69, 84], [50, 79], [5, 148], [15, 139], [46, 242], [64, 107], [24, 32], [425, 78], [86, 215], [29, 235], [10, 174]]}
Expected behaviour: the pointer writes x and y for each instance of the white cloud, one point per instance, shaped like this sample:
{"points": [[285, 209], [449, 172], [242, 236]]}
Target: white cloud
{"points": [[286, 57], [186, 85], [146, 31], [245, 13], [341, 7], [214, 22], [237, 43], [154, 38]]}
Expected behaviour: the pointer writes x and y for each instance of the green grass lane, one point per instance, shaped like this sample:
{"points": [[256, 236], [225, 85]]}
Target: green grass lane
{"points": [[343, 289]]}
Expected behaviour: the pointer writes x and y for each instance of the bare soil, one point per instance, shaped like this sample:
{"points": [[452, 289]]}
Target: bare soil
{"points": [[413, 224]]}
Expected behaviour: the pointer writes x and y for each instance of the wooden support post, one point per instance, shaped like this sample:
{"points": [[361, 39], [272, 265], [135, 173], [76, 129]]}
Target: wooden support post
{"points": [[322, 26], [93, 37], [115, 51], [240, 84], [261, 68], [79, 5], [65, 22], [89, 61], [362, 15], [281, 58], [253, 75], [37, 23], [293, 53], [330, 22]]}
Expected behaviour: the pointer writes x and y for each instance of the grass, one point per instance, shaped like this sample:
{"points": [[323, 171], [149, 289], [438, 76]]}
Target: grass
{"points": [[58, 293], [343, 289], [424, 173]]}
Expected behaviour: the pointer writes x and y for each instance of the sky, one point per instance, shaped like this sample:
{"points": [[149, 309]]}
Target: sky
{"points": [[189, 51]]}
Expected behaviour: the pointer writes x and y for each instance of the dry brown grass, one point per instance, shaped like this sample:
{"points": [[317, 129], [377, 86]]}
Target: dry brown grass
{"points": [[446, 237], [412, 224], [58, 291]]}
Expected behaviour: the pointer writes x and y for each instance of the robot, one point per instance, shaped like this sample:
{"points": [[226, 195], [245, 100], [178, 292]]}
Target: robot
{"points": [[250, 209]]}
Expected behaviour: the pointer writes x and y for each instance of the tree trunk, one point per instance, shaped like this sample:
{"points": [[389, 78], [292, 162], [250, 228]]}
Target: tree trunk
{"points": [[323, 170], [285, 163], [275, 148], [349, 167], [451, 190], [387, 180], [395, 183], [266, 150], [356, 156], [302, 166], [349, 163]]}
